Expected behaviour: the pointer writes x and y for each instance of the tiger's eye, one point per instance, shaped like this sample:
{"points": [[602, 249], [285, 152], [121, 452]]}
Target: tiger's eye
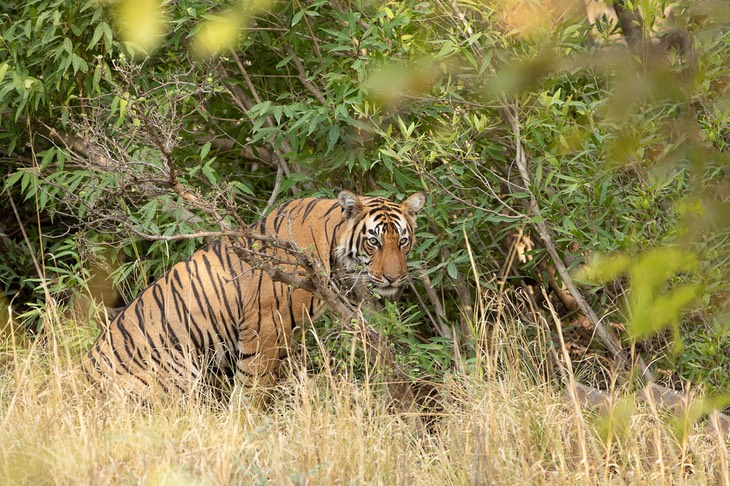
{"points": [[374, 241], [403, 241]]}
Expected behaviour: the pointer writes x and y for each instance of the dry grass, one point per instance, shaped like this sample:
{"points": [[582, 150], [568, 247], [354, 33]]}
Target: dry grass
{"points": [[501, 422]]}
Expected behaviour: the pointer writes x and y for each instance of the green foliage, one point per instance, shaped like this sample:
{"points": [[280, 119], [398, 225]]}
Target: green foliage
{"points": [[419, 356], [626, 153]]}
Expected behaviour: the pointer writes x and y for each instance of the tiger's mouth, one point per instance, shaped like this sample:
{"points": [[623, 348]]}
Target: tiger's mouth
{"points": [[385, 290]]}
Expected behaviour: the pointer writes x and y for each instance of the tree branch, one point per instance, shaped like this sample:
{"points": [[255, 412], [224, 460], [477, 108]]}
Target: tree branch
{"points": [[609, 340], [275, 191], [280, 160], [630, 22], [509, 114], [441, 320]]}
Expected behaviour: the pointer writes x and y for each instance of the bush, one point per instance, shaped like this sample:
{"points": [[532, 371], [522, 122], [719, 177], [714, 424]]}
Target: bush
{"points": [[626, 149]]}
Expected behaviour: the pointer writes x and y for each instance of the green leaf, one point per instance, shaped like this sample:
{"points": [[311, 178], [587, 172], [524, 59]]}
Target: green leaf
{"points": [[260, 108], [48, 156], [332, 136], [297, 17], [98, 32], [13, 178], [452, 270], [97, 78], [277, 112], [79, 64], [25, 181], [210, 174], [284, 61], [123, 105], [204, 150], [447, 49], [3, 69], [243, 188]]}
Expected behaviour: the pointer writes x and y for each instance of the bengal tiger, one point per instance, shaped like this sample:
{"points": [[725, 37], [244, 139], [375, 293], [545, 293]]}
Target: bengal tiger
{"points": [[216, 311]]}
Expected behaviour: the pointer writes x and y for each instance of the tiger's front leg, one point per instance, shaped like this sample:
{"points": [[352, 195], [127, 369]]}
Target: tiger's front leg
{"points": [[257, 362]]}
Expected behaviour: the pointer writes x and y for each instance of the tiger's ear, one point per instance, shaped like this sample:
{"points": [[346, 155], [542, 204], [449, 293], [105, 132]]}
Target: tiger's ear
{"points": [[414, 203], [351, 205]]}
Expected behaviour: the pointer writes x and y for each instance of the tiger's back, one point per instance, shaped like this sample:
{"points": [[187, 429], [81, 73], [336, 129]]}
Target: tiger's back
{"points": [[215, 310]]}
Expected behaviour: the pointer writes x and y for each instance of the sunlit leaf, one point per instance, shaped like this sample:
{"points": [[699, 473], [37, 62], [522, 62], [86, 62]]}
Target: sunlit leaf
{"points": [[219, 33], [615, 422], [604, 269], [142, 22]]}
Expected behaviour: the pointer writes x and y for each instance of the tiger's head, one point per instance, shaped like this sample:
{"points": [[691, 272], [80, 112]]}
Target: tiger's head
{"points": [[377, 237]]}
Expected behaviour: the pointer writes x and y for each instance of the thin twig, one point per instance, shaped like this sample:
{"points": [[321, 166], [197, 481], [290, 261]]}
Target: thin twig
{"points": [[465, 301], [443, 328], [423, 305], [582, 436], [275, 191], [302, 76], [315, 41], [280, 160], [471, 205]]}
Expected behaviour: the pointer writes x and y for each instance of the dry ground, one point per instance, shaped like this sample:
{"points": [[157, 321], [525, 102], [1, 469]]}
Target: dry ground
{"points": [[499, 421]]}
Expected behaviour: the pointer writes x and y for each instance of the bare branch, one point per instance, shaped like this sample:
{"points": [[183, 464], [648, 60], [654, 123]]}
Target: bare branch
{"points": [[436, 324], [465, 300], [275, 192], [441, 320], [315, 40], [609, 340]]}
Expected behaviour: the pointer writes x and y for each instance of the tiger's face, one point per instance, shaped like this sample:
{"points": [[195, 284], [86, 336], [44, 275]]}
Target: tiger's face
{"points": [[377, 239]]}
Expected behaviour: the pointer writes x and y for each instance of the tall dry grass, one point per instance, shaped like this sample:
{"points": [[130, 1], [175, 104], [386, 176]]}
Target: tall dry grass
{"points": [[500, 420]]}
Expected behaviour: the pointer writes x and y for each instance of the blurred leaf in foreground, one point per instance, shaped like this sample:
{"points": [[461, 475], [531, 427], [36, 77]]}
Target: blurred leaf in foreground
{"points": [[615, 423], [649, 309], [220, 32], [142, 23], [682, 424]]}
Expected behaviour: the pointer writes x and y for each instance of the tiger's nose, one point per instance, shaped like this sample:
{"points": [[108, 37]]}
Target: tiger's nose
{"points": [[391, 278]]}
